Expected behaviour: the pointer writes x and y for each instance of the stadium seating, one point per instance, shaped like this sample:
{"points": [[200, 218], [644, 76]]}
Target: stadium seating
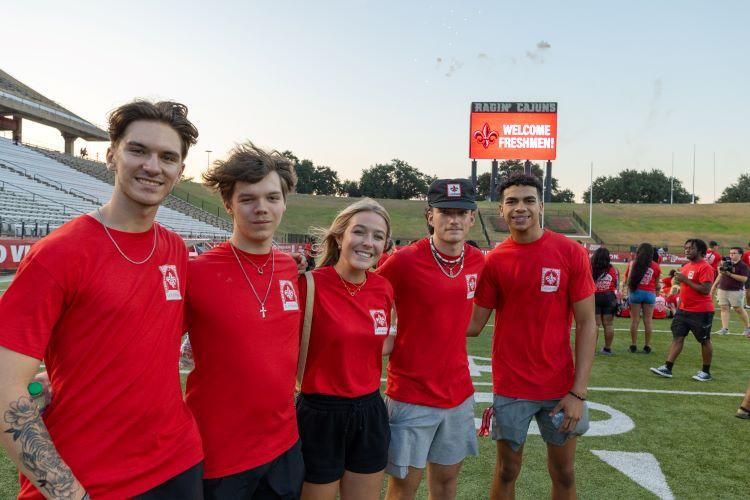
{"points": [[29, 174]]}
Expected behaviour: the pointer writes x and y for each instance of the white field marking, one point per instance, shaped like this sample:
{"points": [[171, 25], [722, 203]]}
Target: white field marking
{"points": [[643, 468], [617, 423]]}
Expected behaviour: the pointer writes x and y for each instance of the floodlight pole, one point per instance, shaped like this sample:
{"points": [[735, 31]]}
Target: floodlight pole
{"points": [[671, 182], [493, 181], [208, 158], [714, 176], [693, 200], [591, 201]]}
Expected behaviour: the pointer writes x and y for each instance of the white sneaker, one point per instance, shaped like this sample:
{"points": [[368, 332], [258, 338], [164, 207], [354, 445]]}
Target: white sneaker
{"points": [[702, 376], [723, 331]]}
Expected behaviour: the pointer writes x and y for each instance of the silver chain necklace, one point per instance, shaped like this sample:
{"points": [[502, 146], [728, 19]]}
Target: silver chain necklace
{"points": [[106, 230], [447, 268], [262, 303]]}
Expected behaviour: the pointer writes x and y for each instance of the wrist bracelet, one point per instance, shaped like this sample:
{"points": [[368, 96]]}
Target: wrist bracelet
{"points": [[576, 396]]}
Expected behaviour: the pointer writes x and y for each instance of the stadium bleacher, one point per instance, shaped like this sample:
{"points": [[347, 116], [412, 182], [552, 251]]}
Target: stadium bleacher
{"points": [[38, 189]]}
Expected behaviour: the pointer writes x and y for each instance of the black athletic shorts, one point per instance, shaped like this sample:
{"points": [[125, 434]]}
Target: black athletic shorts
{"points": [[341, 434], [605, 303], [699, 323], [279, 479], [187, 485]]}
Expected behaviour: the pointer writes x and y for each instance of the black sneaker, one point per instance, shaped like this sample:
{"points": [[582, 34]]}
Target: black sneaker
{"points": [[633, 349], [647, 349]]}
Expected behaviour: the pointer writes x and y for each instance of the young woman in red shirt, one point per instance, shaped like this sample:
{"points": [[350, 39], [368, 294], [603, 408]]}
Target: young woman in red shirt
{"points": [[606, 279], [343, 422], [641, 278]]}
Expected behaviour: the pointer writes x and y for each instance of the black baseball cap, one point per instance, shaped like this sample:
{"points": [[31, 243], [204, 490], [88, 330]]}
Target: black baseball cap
{"points": [[452, 193]]}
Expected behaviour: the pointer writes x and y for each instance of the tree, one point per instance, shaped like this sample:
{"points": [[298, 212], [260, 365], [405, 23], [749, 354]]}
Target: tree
{"points": [[325, 181], [507, 168], [305, 176], [483, 186], [396, 179], [350, 189], [563, 196], [738, 192], [632, 186]]}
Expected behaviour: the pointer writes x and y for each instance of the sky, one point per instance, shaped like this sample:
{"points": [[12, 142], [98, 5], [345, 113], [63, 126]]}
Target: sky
{"points": [[349, 84]]}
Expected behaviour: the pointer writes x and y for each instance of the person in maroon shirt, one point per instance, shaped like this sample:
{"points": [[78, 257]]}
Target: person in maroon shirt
{"points": [[695, 313], [100, 299], [242, 314], [343, 421]]}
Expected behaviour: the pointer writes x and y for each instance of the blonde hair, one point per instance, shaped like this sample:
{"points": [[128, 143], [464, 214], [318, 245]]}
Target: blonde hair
{"points": [[329, 251]]}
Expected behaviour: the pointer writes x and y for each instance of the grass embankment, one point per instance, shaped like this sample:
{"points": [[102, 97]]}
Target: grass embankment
{"points": [[662, 225]]}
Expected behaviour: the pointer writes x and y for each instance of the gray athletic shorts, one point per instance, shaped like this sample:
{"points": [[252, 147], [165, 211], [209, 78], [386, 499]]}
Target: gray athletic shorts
{"points": [[513, 416], [421, 434]]}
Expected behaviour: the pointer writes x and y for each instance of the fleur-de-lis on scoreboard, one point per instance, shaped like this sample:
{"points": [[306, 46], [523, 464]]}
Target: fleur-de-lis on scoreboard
{"points": [[485, 137]]}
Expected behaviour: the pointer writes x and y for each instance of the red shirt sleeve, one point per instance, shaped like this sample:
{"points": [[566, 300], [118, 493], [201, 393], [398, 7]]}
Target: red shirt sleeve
{"points": [[389, 270], [581, 283], [488, 288], [706, 274], [30, 309]]}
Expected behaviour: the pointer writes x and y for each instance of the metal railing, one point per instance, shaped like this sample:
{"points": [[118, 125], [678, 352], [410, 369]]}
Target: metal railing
{"points": [[47, 180], [34, 196]]}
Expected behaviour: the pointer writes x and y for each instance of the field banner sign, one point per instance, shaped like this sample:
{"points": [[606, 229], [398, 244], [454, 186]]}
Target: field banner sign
{"points": [[513, 131]]}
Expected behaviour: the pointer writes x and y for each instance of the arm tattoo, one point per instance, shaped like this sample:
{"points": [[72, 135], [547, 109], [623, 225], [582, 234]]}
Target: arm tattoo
{"points": [[38, 453]]}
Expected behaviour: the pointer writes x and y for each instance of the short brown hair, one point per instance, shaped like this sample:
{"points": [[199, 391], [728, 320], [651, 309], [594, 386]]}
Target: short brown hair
{"points": [[249, 163], [171, 113]]}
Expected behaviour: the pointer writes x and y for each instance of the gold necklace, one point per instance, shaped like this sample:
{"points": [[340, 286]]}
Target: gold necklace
{"points": [[356, 288]]}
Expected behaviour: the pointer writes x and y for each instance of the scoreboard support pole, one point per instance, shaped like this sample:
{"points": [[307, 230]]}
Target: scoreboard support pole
{"points": [[493, 181], [474, 174], [548, 183]]}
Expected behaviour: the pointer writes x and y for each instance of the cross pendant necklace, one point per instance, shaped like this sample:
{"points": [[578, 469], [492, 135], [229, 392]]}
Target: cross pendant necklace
{"points": [[262, 303]]}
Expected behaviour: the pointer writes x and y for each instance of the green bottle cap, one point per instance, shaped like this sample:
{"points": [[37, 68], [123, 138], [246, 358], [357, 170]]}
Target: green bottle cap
{"points": [[35, 389]]}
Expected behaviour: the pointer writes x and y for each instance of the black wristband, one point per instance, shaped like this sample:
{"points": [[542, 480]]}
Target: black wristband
{"points": [[576, 396], [86, 496]]}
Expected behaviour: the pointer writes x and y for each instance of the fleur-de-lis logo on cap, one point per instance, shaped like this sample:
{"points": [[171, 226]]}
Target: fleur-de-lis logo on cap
{"points": [[485, 137]]}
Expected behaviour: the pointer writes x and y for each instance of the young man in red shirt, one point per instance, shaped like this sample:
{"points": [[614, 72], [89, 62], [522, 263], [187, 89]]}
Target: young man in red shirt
{"points": [[100, 300], [713, 257], [533, 372], [246, 358], [696, 310], [432, 411]]}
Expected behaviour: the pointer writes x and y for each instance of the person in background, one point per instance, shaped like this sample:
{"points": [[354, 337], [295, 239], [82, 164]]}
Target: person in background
{"points": [[696, 311], [606, 278], [730, 284], [641, 278], [713, 257]]}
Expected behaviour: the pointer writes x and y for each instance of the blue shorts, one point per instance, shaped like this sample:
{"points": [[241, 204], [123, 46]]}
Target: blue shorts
{"points": [[642, 297]]}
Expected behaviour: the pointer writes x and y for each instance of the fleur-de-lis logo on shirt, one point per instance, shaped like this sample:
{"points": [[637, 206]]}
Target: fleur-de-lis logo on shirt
{"points": [[485, 137]]}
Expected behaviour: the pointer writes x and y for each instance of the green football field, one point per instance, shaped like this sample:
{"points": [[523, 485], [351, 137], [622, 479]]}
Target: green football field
{"points": [[678, 434]]}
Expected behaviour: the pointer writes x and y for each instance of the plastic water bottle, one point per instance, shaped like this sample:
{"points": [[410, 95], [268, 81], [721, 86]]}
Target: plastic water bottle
{"points": [[40, 396], [557, 419]]}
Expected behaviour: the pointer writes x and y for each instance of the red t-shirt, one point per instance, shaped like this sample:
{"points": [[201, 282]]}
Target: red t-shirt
{"points": [[690, 300], [532, 288], [713, 258], [650, 277], [667, 283], [746, 257], [344, 357], [244, 364], [660, 308], [109, 333], [429, 365], [607, 282]]}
